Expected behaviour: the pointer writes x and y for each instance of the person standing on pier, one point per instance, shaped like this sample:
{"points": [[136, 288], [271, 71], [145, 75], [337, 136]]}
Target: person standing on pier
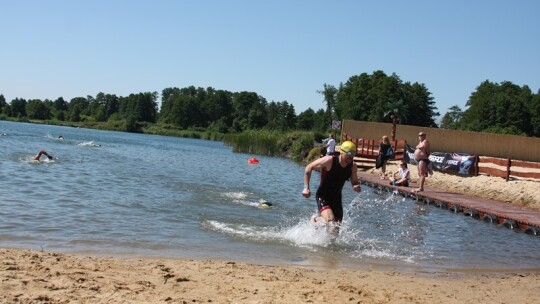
{"points": [[330, 144], [383, 156], [421, 155], [335, 170]]}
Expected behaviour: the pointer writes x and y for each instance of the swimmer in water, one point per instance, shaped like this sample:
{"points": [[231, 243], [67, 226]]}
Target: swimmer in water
{"points": [[265, 204], [43, 152]]}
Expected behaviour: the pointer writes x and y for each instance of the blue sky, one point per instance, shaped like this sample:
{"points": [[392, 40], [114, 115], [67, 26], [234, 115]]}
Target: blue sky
{"points": [[285, 50]]}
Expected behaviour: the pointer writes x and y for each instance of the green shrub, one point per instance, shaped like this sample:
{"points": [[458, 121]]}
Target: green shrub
{"points": [[257, 142], [295, 145], [301, 147], [313, 154]]}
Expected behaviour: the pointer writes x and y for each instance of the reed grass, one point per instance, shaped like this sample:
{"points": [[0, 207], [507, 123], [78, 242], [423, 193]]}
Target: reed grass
{"points": [[295, 144]]}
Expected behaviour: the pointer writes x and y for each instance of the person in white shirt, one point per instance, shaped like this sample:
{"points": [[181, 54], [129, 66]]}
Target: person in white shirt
{"points": [[404, 176], [330, 145]]}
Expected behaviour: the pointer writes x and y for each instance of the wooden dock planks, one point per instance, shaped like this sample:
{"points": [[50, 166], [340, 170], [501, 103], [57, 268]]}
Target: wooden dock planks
{"points": [[511, 216]]}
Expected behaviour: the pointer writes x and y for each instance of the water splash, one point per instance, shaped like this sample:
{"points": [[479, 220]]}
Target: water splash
{"points": [[243, 198], [88, 144]]}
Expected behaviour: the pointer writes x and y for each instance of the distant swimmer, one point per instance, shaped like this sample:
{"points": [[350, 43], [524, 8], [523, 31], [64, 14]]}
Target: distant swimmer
{"points": [[43, 152], [60, 137], [265, 204]]}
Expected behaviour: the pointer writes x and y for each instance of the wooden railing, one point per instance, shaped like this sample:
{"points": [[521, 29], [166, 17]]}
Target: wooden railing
{"points": [[484, 165], [367, 150]]}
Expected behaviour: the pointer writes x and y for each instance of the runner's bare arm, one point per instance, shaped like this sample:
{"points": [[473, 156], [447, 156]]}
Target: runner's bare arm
{"points": [[319, 164], [354, 178]]}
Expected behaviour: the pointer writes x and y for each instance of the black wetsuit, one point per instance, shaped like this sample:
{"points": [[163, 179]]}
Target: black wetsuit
{"points": [[329, 192]]}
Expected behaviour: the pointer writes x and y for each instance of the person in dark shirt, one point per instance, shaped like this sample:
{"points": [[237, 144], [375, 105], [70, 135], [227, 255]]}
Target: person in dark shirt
{"points": [[383, 156], [335, 170]]}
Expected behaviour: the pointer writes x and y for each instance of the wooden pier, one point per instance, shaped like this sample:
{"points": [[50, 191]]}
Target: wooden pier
{"points": [[511, 216]]}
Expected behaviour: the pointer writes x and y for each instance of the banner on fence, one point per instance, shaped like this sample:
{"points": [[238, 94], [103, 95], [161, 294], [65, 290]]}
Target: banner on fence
{"points": [[460, 163]]}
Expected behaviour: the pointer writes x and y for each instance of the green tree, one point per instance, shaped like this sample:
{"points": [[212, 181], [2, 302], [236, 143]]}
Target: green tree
{"points": [[422, 107], [193, 107], [97, 107], [534, 108], [330, 94], [3, 102], [111, 105], [396, 111], [281, 116], [91, 104], [60, 104], [351, 99], [320, 121], [130, 124], [217, 108], [18, 107], [249, 111], [501, 108], [141, 106], [306, 120], [36, 109], [452, 118], [369, 97], [60, 108], [77, 106], [76, 113], [60, 115], [167, 102], [258, 117], [6, 110]]}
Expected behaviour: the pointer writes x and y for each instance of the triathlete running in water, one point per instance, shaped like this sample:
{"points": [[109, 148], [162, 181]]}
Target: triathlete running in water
{"points": [[335, 170]]}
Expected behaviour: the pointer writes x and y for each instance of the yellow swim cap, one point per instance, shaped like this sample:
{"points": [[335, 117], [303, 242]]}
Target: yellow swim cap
{"points": [[347, 146]]}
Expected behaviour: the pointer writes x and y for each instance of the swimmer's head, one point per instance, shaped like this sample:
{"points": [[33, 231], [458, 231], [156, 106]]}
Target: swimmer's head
{"points": [[348, 148]]}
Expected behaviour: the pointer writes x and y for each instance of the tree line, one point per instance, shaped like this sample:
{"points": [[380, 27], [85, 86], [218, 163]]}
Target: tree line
{"points": [[503, 108], [378, 97]]}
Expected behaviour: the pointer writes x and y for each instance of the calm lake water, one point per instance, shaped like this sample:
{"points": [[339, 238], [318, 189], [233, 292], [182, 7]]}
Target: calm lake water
{"points": [[122, 194]]}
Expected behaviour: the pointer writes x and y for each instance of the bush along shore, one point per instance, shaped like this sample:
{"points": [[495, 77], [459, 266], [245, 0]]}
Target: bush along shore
{"points": [[297, 145]]}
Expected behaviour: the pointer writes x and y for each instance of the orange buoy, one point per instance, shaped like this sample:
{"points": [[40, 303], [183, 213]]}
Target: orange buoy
{"points": [[253, 161]]}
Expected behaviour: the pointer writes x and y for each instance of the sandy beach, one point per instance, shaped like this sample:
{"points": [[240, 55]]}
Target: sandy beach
{"points": [[43, 277], [520, 192], [47, 277]]}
